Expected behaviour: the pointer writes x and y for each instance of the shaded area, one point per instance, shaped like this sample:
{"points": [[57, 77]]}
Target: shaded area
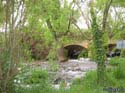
{"points": [[112, 50], [73, 51], [111, 46]]}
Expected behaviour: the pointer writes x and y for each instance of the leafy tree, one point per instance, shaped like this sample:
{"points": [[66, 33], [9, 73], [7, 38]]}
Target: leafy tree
{"points": [[54, 17], [9, 48], [98, 39]]}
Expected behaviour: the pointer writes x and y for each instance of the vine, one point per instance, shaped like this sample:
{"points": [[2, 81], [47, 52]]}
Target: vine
{"points": [[98, 42]]}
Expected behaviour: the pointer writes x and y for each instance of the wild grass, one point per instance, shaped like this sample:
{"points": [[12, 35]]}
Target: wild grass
{"points": [[116, 60], [114, 82]]}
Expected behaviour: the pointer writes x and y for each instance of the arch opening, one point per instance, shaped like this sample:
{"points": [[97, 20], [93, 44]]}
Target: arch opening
{"points": [[73, 51]]}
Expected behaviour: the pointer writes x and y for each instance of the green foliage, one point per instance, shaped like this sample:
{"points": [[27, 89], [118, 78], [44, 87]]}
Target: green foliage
{"points": [[2, 13], [48, 37], [37, 76], [97, 40], [52, 55], [123, 53], [53, 65], [120, 70], [117, 3], [9, 62], [101, 4], [88, 84], [5, 63], [26, 54], [98, 43], [34, 80], [116, 61], [39, 37], [34, 46], [52, 16], [84, 53], [33, 76], [34, 89], [92, 52], [48, 9]]}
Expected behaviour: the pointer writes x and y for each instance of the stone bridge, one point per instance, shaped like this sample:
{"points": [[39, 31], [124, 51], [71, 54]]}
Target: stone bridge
{"points": [[71, 51]]}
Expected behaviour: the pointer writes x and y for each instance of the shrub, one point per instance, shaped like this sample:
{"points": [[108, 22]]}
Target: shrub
{"points": [[52, 54], [110, 79], [35, 45], [120, 67], [88, 84], [34, 80], [119, 71], [123, 53], [116, 60], [53, 65], [84, 54], [91, 52], [36, 77], [8, 70]]}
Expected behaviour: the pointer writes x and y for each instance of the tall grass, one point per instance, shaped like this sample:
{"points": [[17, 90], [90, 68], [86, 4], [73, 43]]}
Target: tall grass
{"points": [[39, 81]]}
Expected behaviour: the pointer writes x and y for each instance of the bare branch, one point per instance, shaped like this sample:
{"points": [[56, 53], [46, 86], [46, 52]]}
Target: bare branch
{"points": [[83, 15], [81, 31], [105, 14], [51, 29]]}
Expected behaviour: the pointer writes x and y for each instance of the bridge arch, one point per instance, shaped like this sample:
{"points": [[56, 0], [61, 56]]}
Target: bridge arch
{"points": [[71, 51], [74, 50]]}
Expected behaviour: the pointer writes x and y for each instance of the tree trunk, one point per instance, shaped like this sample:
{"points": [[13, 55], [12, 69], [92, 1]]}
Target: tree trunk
{"points": [[98, 40], [99, 49], [9, 54]]}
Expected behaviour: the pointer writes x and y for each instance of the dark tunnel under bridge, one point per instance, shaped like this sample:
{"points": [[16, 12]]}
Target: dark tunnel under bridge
{"points": [[70, 51]]}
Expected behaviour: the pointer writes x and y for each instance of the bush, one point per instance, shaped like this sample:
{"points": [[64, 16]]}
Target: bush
{"points": [[37, 76], [123, 53], [84, 54], [91, 52], [53, 65], [34, 89], [52, 55], [116, 60], [88, 84], [8, 70], [119, 71], [34, 80], [34, 45]]}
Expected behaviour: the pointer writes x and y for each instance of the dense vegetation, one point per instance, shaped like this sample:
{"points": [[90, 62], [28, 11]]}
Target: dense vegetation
{"points": [[36, 30]]}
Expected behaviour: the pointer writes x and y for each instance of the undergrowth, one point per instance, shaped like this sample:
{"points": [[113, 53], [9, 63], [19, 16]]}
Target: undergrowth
{"points": [[36, 81]]}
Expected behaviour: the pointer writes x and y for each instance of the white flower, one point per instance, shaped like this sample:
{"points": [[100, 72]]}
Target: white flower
{"points": [[56, 86], [15, 81], [19, 69], [28, 86], [18, 81]]}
